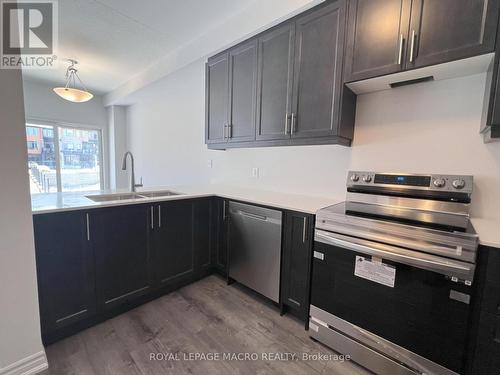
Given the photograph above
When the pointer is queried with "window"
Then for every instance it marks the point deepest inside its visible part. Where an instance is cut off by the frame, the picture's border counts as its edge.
(64, 158)
(32, 145)
(32, 131)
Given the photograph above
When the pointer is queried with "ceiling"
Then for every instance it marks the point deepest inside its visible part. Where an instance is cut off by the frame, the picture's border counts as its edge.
(115, 40)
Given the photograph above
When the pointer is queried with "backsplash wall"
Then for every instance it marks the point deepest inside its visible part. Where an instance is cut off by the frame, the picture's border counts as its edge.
(430, 127)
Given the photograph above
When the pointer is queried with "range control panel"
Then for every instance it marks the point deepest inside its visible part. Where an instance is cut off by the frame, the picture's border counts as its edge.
(456, 183)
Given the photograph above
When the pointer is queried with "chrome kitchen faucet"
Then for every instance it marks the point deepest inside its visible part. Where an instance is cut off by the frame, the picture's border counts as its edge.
(133, 185)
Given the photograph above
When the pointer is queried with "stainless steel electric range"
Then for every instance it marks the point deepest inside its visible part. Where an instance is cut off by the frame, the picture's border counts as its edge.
(392, 273)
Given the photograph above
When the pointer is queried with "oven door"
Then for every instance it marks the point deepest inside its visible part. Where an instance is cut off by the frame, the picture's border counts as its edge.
(422, 312)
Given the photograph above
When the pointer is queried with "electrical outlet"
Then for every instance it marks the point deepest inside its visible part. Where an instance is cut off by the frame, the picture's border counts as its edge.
(210, 163)
(255, 172)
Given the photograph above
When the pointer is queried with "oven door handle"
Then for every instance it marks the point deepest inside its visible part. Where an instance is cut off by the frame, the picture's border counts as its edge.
(460, 270)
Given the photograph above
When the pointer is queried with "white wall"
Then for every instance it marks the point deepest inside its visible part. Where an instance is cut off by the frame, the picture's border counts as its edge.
(21, 348)
(166, 132)
(430, 127)
(42, 105)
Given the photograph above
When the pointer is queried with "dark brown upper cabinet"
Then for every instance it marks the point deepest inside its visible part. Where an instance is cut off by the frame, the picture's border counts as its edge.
(446, 30)
(376, 37)
(317, 81)
(300, 76)
(284, 85)
(242, 92)
(217, 98)
(274, 83)
(231, 79)
(388, 36)
(490, 121)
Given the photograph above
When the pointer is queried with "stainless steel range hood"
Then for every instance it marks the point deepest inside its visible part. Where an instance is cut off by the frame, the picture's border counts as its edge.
(453, 69)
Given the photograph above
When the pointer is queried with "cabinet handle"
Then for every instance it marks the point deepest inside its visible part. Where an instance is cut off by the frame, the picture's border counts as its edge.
(412, 46)
(286, 122)
(292, 127)
(224, 210)
(400, 54)
(304, 230)
(88, 227)
(225, 131)
(159, 216)
(230, 131)
(152, 218)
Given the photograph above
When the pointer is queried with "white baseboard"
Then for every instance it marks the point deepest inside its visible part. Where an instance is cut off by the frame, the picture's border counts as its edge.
(30, 365)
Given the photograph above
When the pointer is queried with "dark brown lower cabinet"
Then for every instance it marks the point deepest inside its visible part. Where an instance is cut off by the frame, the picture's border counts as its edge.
(485, 327)
(296, 263)
(203, 234)
(219, 242)
(181, 240)
(173, 241)
(94, 264)
(65, 270)
(487, 353)
(120, 238)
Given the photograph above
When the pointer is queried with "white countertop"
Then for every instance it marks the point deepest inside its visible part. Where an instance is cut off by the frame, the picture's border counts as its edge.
(487, 230)
(58, 202)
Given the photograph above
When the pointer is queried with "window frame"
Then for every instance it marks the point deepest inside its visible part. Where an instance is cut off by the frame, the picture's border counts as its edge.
(56, 126)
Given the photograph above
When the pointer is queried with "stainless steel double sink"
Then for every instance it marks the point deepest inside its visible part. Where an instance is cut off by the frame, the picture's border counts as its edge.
(127, 196)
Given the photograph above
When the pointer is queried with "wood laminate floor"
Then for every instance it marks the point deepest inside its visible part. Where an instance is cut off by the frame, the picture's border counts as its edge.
(207, 318)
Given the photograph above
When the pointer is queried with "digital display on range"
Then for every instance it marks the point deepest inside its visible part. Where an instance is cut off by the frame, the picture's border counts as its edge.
(391, 179)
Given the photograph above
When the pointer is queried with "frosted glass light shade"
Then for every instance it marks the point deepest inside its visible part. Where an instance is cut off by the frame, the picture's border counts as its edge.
(73, 95)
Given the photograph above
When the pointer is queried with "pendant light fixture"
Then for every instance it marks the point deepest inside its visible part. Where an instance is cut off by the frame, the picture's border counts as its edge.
(70, 92)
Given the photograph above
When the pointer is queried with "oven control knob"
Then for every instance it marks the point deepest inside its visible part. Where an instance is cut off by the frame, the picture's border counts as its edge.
(439, 182)
(458, 184)
(354, 178)
(367, 178)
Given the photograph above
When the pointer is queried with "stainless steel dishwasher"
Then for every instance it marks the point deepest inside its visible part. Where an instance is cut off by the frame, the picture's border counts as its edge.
(255, 248)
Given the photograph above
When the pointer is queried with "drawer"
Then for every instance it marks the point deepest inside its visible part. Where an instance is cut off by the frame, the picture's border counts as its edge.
(491, 298)
(493, 268)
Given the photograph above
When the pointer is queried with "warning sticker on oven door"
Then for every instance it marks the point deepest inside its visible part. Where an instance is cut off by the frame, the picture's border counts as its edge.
(375, 271)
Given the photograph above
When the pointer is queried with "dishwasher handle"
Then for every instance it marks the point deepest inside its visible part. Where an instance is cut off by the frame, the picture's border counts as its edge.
(252, 216)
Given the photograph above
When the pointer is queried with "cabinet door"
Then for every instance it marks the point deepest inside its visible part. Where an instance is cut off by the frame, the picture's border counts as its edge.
(65, 269)
(219, 216)
(376, 37)
(297, 250)
(274, 85)
(217, 98)
(317, 78)
(487, 353)
(120, 240)
(242, 92)
(202, 233)
(174, 255)
(445, 30)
